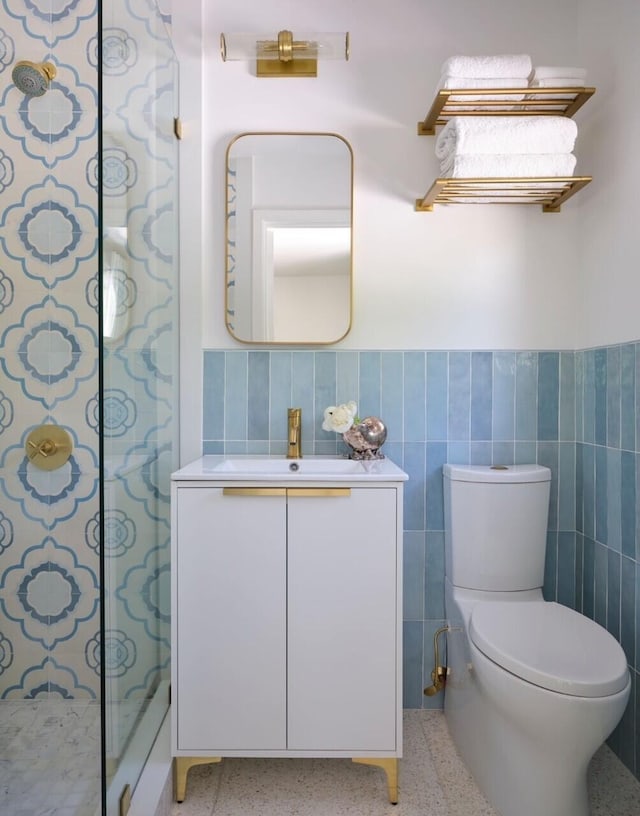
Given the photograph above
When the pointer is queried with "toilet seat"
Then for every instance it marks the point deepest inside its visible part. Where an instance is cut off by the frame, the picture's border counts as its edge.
(551, 646)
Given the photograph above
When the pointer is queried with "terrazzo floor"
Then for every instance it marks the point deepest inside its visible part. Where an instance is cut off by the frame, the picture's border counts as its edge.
(49, 766)
(432, 782)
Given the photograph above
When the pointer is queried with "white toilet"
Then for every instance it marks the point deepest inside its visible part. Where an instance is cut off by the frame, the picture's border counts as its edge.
(533, 688)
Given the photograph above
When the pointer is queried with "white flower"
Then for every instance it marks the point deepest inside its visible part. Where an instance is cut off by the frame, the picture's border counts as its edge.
(340, 418)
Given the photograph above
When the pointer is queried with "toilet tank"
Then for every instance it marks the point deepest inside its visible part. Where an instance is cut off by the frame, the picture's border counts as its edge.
(496, 525)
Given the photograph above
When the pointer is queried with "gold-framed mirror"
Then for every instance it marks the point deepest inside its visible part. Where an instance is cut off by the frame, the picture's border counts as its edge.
(288, 238)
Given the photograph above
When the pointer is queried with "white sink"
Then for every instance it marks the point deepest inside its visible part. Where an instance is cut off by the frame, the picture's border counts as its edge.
(280, 469)
(296, 466)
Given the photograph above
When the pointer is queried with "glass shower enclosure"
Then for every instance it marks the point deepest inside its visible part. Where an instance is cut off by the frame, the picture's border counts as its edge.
(88, 385)
(139, 390)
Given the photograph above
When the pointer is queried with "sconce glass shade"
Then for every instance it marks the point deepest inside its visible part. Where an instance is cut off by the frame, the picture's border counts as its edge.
(288, 54)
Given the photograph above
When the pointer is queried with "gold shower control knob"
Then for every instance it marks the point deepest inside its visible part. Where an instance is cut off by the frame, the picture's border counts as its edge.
(48, 447)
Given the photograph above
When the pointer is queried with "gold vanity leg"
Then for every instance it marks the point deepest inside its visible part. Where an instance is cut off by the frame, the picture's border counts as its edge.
(181, 767)
(390, 767)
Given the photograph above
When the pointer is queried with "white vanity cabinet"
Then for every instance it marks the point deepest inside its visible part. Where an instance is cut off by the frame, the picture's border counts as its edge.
(230, 608)
(286, 614)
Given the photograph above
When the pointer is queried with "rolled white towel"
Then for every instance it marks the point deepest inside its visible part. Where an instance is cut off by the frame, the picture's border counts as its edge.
(510, 165)
(500, 65)
(558, 71)
(447, 81)
(558, 82)
(554, 82)
(511, 134)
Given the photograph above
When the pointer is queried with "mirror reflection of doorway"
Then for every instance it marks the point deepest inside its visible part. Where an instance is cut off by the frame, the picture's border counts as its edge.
(301, 275)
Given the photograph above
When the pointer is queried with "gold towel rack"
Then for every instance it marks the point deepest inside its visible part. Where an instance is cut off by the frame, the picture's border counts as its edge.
(470, 102)
(550, 193)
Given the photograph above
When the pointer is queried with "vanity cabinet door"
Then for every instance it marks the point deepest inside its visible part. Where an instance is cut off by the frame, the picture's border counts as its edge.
(343, 621)
(230, 644)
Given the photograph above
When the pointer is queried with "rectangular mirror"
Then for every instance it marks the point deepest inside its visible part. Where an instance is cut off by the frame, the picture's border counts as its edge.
(288, 238)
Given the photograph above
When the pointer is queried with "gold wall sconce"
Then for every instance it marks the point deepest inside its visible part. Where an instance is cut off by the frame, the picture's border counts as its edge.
(285, 56)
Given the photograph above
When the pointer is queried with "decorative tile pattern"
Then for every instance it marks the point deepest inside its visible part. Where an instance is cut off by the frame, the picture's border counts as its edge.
(50, 528)
(145, 592)
(49, 497)
(55, 120)
(52, 352)
(48, 593)
(40, 22)
(48, 355)
(119, 55)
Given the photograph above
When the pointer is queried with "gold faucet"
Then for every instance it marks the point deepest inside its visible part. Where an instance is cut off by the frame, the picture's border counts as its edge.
(294, 448)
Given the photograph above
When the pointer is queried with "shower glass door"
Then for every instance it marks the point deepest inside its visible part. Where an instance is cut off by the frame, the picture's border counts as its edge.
(139, 384)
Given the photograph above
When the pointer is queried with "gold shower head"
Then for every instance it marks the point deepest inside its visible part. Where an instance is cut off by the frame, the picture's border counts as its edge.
(33, 78)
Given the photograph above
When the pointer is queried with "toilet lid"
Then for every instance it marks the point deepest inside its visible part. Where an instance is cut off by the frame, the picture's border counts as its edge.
(551, 646)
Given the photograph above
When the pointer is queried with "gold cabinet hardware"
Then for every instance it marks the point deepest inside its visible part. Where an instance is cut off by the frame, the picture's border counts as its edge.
(181, 767)
(125, 800)
(254, 491)
(290, 492)
(48, 447)
(317, 492)
(390, 767)
(177, 127)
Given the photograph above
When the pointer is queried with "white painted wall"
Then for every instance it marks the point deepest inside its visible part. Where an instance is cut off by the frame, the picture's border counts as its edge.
(457, 278)
(608, 290)
(461, 277)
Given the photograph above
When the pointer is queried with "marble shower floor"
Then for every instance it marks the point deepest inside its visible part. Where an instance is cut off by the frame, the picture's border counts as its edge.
(432, 782)
(50, 755)
(49, 758)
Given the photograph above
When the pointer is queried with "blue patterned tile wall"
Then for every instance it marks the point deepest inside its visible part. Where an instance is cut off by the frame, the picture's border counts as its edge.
(49, 351)
(49, 564)
(139, 101)
(469, 407)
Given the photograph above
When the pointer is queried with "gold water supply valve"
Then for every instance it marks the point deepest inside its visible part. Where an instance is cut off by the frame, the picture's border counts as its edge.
(48, 447)
(439, 673)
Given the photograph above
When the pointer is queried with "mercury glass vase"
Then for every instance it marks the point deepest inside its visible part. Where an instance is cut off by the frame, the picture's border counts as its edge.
(365, 439)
